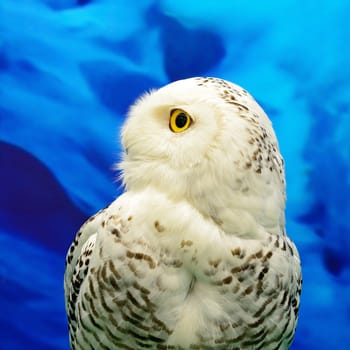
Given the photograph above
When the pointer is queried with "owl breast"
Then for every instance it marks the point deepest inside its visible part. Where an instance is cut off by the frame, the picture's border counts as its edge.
(162, 276)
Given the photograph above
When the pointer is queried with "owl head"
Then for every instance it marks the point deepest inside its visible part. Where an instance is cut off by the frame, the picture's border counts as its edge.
(206, 141)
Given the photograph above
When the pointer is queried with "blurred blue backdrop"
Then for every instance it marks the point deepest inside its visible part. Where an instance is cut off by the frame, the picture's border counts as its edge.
(68, 71)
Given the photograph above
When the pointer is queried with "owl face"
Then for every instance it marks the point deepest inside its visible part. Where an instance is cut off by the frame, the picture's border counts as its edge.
(199, 138)
(173, 126)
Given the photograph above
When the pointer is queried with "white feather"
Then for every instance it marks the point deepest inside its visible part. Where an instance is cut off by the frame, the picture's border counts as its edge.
(194, 253)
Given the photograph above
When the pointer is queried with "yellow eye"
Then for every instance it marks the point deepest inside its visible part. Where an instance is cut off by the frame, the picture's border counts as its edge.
(179, 120)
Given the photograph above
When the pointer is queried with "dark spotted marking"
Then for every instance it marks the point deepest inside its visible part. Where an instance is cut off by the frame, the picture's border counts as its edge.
(284, 246)
(246, 265)
(116, 340)
(231, 340)
(93, 322)
(91, 218)
(256, 323)
(115, 232)
(103, 301)
(259, 288)
(112, 281)
(150, 305)
(216, 220)
(159, 227)
(278, 339)
(186, 243)
(143, 290)
(226, 280)
(135, 302)
(91, 305)
(132, 332)
(91, 288)
(263, 307)
(215, 263)
(238, 252)
(256, 338)
(248, 290)
(224, 326)
(240, 106)
(284, 298)
(113, 270)
(161, 325)
(141, 256)
(259, 254)
(267, 256)
(236, 269)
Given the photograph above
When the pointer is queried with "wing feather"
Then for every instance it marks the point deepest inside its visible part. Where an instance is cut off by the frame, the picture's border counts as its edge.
(77, 262)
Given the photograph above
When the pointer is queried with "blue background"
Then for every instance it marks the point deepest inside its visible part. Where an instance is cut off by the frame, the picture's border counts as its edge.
(69, 70)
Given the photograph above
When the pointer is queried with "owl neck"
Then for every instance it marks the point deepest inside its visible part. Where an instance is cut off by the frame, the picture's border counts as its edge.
(245, 215)
(244, 205)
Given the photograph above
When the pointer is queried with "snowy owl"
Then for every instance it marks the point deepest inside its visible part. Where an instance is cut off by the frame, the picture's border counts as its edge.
(194, 254)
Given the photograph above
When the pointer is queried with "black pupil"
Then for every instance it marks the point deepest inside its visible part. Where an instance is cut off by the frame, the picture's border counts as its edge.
(181, 120)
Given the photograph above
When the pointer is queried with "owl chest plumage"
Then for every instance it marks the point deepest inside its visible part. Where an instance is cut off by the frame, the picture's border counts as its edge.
(154, 273)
